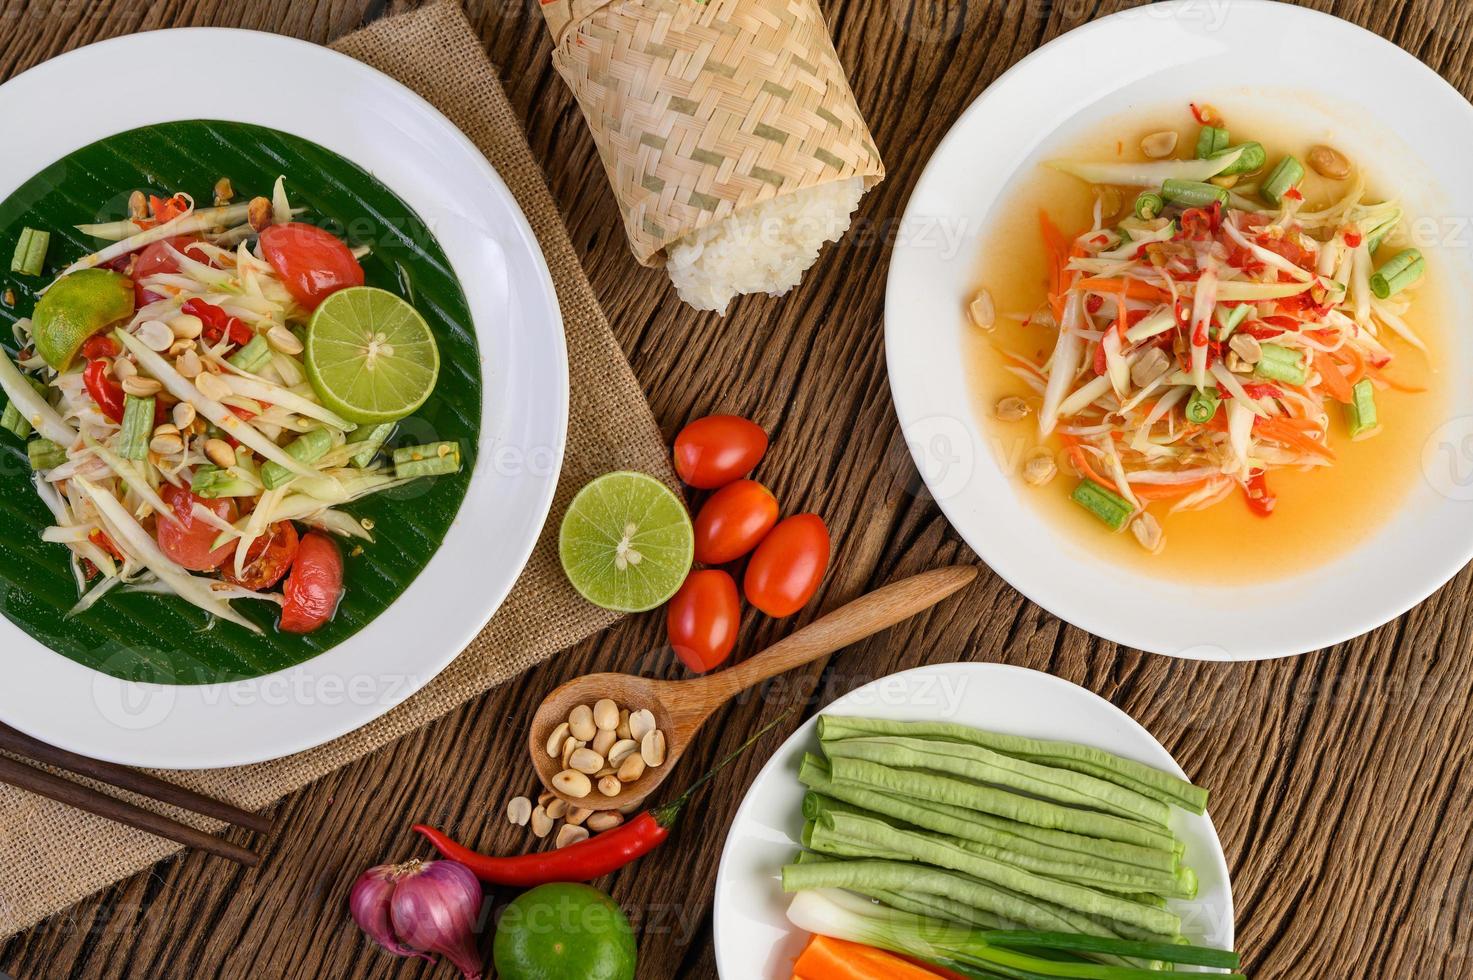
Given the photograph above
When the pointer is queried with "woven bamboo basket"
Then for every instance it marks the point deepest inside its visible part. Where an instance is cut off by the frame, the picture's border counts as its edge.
(701, 109)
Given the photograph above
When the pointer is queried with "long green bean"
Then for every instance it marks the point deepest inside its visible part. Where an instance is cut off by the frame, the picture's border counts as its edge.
(1041, 813)
(987, 766)
(967, 824)
(1065, 755)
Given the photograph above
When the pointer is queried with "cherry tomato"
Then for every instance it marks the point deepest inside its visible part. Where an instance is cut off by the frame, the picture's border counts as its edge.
(788, 565)
(713, 451)
(732, 522)
(188, 541)
(267, 559)
(313, 263)
(702, 619)
(314, 587)
(156, 259)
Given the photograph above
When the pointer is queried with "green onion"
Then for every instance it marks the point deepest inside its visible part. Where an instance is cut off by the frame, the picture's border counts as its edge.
(1403, 269)
(1360, 411)
(1148, 205)
(1075, 943)
(30, 252)
(1250, 159)
(44, 454)
(434, 459)
(1286, 175)
(1107, 505)
(306, 448)
(253, 356)
(370, 439)
(137, 427)
(1211, 141)
(1229, 321)
(1281, 364)
(1203, 405)
(211, 482)
(1193, 193)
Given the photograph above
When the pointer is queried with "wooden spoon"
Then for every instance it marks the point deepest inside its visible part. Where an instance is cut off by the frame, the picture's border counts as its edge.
(680, 707)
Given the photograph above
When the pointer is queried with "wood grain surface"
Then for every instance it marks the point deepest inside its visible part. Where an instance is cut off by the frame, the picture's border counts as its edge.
(1343, 789)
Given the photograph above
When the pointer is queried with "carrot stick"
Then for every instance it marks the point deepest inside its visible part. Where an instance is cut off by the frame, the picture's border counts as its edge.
(1357, 364)
(838, 959)
(1277, 430)
(1133, 288)
(1058, 250)
(1333, 380)
(1166, 491)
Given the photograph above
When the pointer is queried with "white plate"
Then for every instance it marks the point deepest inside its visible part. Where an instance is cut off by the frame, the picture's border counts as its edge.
(372, 120)
(1383, 106)
(754, 940)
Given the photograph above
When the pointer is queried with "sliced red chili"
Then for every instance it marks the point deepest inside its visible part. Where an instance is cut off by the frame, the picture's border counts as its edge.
(100, 345)
(106, 392)
(218, 323)
(1256, 492)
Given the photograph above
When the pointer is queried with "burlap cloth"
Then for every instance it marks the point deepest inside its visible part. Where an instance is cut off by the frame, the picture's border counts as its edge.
(435, 52)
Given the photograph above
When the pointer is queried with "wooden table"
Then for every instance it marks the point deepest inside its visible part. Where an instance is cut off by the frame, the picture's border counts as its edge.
(1343, 790)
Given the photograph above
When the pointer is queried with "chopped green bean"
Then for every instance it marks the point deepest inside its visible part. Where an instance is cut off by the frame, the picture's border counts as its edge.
(1229, 321)
(1105, 504)
(1278, 363)
(1283, 177)
(369, 439)
(253, 356)
(1211, 140)
(434, 459)
(306, 448)
(1149, 204)
(137, 427)
(1399, 272)
(1202, 405)
(1193, 193)
(11, 420)
(1250, 159)
(212, 482)
(30, 252)
(1360, 411)
(44, 454)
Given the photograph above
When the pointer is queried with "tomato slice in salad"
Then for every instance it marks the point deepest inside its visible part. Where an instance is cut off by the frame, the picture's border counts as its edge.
(157, 258)
(314, 586)
(311, 262)
(267, 559)
(188, 542)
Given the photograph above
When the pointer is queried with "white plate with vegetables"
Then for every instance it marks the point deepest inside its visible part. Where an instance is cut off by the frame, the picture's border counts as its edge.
(921, 793)
(1184, 373)
(283, 386)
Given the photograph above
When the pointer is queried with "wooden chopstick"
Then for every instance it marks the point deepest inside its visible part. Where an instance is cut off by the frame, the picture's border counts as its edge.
(23, 776)
(130, 779)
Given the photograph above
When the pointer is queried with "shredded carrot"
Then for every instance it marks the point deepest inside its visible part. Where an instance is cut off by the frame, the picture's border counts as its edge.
(1331, 378)
(1278, 430)
(1166, 491)
(1134, 288)
(1356, 361)
(1058, 250)
(1081, 461)
(839, 959)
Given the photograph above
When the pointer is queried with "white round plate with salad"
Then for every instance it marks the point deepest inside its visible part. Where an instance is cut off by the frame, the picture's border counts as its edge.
(208, 399)
(1174, 345)
(955, 709)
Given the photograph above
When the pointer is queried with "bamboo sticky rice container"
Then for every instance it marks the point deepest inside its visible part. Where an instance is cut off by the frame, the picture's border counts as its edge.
(704, 109)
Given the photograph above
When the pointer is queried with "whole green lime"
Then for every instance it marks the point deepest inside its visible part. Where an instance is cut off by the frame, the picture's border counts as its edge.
(564, 932)
(76, 307)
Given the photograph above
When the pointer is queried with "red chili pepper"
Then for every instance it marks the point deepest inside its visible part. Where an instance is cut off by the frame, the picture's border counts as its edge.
(1255, 491)
(106, 392)
(589, 859)
(1352, 238)
(1262, 391)
(1094, 302)
(100, 345)
(218, 323)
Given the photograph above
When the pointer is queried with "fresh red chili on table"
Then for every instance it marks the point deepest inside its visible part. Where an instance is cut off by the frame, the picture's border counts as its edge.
(218, 323)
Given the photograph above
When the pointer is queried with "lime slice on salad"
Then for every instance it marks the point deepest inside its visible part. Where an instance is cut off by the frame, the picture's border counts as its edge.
(370, 356)
(75, 308)
(626, 542)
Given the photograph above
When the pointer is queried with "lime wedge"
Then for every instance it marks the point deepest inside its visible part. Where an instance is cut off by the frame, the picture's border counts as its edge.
(370, 355)
(75, 308)
(626, 542)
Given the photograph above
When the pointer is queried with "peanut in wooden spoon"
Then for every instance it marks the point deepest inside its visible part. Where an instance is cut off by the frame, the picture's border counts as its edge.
(680, 707)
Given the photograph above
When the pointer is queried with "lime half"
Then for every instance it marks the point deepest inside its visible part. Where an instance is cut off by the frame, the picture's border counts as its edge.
(626, 542)
(370, 355)
(75, 308)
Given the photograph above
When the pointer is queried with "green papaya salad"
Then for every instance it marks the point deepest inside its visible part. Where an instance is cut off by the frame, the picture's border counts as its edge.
(203, 396)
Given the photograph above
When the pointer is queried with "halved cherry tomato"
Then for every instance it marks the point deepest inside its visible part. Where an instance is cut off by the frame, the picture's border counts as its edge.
(733, 521)
(702, 619)
(267, 559)
(157, 258)
(314, 587)
(713, 451)
(313, 263)
(788, 565)
(188, 541)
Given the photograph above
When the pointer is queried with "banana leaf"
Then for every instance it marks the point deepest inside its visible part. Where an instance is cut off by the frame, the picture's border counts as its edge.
(162, 639)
